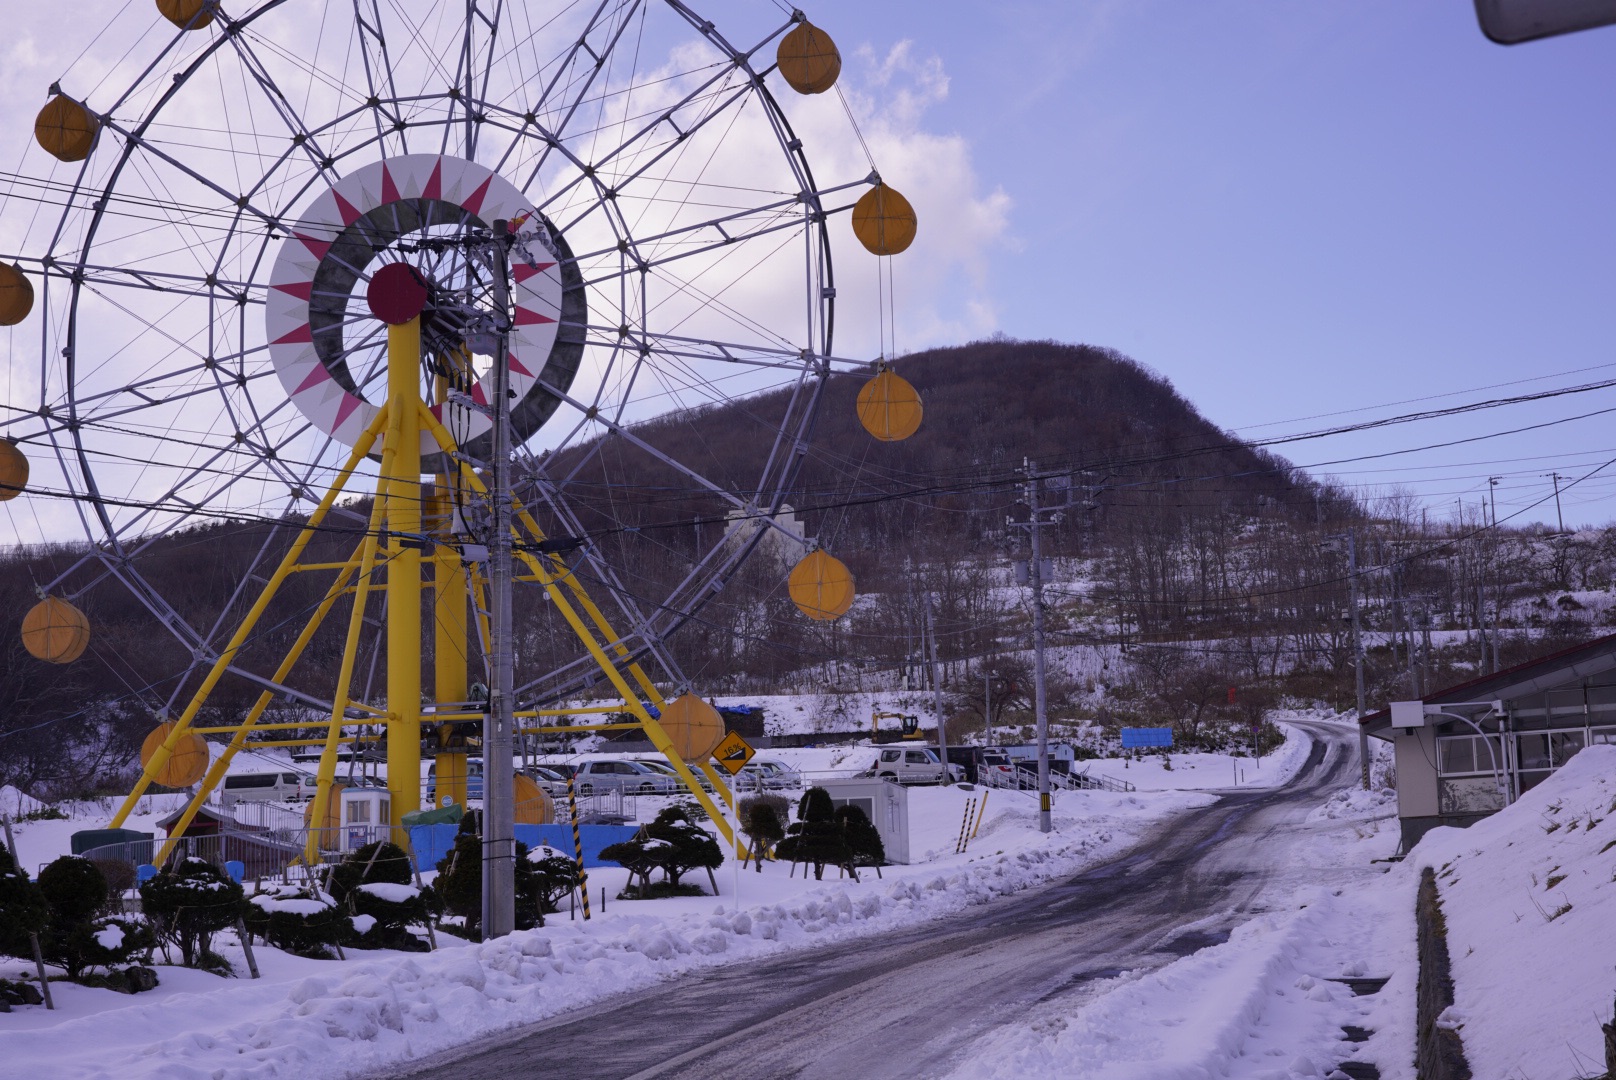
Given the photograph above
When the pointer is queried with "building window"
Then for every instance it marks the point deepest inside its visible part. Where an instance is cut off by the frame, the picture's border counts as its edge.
(1467, 754)
(1563, 745)
(1469, 795)
(359, 813)
(1533, 751)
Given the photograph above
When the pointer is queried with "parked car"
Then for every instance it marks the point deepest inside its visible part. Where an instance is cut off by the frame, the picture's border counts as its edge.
(474, 781)
(770, 775)
(547, 777)
(263, 787)
(907, 765)
(629, 777)
(669, 771)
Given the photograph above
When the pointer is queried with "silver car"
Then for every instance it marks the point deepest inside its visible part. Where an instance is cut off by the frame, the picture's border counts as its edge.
(668, 770)
(629, 777)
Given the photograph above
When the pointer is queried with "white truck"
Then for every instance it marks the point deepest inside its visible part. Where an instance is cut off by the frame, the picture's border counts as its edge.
(913, 765)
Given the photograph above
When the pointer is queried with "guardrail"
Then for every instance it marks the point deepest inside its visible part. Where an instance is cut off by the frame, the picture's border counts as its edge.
(1020, 779)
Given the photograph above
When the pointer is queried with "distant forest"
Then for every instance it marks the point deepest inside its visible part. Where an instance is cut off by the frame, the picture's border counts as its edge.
(1180, 532)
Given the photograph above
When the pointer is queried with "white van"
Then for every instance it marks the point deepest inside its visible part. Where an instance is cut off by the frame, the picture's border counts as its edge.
(263, 787)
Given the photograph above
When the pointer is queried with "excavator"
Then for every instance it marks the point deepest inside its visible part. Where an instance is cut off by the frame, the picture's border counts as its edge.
(908, 726)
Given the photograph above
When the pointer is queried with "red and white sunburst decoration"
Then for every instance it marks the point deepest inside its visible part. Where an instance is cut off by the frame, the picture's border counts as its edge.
(329, 251)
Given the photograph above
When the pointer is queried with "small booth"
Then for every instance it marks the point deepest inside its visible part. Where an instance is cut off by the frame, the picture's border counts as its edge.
(885, 803)
(366, 815)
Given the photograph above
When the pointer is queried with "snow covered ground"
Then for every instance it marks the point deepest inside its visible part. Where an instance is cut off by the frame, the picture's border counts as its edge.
(1529, 901)
(314, 1018)
(310, 1019)
(1528, 896)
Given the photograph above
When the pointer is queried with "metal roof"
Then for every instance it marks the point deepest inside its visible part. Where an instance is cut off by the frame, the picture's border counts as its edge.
(1532, 677)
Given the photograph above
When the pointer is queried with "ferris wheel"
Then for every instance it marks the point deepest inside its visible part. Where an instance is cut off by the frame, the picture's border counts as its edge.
(205, 342)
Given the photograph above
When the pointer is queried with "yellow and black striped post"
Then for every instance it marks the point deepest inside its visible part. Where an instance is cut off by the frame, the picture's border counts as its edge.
(578, 847)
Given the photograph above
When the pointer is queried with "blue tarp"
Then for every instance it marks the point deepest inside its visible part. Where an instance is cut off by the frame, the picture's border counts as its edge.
(1134, 738)
(433, 842)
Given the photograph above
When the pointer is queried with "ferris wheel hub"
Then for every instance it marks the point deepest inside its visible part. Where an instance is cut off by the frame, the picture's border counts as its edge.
(401, 221)
(397, 293)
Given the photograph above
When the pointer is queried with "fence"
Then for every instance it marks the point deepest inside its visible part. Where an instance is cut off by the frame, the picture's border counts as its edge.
(1026, 779)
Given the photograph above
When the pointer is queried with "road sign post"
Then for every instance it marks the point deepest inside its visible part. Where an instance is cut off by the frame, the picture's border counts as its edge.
(732, 754)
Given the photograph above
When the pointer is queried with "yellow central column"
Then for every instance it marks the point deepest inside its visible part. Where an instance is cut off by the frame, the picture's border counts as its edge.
(449, 645)
(403, 494)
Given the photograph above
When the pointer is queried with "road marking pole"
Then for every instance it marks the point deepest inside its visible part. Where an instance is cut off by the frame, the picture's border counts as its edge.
(578, 850)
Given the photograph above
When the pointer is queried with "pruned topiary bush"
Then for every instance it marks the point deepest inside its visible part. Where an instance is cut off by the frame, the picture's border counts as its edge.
(23, 910)
(673, 844)
(77, 938)
(863, 839)
(298, 919)
(459, 884)
(763, 826)
(188, 902)
(555, 875)
(375, 884)
(816, 839)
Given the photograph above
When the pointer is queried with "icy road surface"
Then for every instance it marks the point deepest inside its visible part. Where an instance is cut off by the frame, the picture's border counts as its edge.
(911, 1004)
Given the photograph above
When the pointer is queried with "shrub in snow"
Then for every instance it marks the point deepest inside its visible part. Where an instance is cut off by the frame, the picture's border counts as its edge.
(187, 903)
(375, 884)
(380, 861)
(76, 893)
(778, 803)
(298, 919)
(690, 847)
(673, 844)
(102, 943)
(762, 827)
(863, 839)
(383, 913)
(816, 839)
(639, 857)
(554, 876)
(23, 910)
(459, 885)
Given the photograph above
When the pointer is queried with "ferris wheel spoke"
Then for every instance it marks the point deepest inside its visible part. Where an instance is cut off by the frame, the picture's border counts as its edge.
(163, 281)
(703, 350)
(146, 146)
(594, 565)
(555, 133)
(479, 33)
(627, 435)
(728, 238)
(379, 80)
(302, 137)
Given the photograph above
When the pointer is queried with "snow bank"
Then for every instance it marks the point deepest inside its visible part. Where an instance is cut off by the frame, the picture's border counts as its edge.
(1529, 903)
(353, 1018)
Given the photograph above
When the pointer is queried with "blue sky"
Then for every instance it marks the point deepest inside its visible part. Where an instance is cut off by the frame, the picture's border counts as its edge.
(1302, 214)
(1296, 209)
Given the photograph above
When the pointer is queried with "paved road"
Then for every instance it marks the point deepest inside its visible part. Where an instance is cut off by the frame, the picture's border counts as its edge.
(908, 1005)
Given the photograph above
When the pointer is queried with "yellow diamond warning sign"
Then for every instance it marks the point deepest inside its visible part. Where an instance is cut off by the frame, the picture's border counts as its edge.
(733, 753)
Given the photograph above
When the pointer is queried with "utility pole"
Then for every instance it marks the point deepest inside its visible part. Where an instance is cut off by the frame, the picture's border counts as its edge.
(1492, 497)
(1558, 517)
(1034, 525)
(499, 811)
(987, 708)
(1351, 536)
(937, 691)
(1357, 653)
